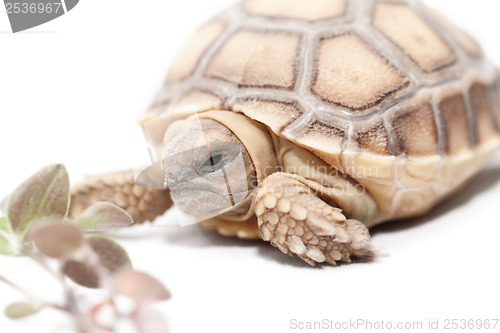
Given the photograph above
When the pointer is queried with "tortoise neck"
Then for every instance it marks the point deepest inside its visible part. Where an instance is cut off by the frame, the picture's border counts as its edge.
(254, 136)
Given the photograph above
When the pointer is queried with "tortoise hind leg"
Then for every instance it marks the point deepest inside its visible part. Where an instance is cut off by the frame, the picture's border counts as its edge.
(294, 219)
(120, 189)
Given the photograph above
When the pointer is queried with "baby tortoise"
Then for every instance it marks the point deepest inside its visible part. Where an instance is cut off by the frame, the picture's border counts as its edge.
(346, 114)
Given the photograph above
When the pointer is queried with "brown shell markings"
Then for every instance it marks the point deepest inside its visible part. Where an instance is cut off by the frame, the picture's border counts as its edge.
(386, 83)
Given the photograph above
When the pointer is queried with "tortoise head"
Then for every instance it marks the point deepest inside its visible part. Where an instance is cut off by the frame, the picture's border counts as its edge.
(207, 167)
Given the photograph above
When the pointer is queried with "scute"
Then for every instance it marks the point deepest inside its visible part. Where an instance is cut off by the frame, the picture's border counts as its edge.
(416, 129)
(494, 91)
(415, 171)
(413, 35)
(276, 114)
(416, 201)
(258, 59)
(188, 57)
(454, 170)
(196, 101)
(485, 128)
(323, 138)
(306, 10)
(352, 75)
(455, 123)
(465, 40)
(374, 140)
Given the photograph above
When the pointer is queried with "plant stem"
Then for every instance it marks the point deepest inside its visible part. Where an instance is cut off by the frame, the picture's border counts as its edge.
(5, 235)
(58, 307)
(15, 286)
(11, 239)
(33, 297)
(71, 303)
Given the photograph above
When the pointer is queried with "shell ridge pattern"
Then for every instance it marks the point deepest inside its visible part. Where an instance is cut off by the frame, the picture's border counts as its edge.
(458, 50)
(440, 126)
(416, 15)
(304, 71)
(328, 96)
(471, 117)
(232, 21)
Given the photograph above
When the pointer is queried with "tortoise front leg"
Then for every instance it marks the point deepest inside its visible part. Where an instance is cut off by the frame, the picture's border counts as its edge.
(121, 189)
(293, 218)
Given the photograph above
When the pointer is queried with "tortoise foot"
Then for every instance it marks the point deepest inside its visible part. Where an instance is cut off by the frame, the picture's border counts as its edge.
(296, 221)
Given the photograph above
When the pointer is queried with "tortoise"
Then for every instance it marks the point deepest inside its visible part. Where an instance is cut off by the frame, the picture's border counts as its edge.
(344, 115)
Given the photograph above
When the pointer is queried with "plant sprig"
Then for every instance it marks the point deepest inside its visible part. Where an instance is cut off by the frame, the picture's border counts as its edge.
(37, 226)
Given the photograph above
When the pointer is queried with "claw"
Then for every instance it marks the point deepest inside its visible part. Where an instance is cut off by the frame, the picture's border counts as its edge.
(320, 226)
(341, 235)
(308, 260)
(282, 248)
(302, 224)
(266, 233)
(296, 245)
(335, 255)
(330, 261)
(315, 254)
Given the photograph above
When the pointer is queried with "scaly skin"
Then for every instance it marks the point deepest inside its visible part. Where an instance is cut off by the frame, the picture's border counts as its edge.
(289, 214)
(120, 188)
(295, 220)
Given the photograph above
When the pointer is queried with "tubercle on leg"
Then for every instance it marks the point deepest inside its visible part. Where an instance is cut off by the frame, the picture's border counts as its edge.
(120, 189)
(294, 219)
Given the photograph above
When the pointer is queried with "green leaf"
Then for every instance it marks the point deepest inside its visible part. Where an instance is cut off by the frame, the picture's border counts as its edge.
(103, 216)
(21, 309)
(5, 232)
(44, 194)
(112, 258)
(57, 240)
(140, 286)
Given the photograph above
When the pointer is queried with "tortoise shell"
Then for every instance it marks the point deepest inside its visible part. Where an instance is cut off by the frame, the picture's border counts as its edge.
(387, 92)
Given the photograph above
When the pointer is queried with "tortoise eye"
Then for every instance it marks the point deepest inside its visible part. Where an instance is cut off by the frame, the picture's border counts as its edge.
(212, 163)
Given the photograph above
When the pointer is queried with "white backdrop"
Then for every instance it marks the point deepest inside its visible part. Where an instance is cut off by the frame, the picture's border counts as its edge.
(70, 91)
